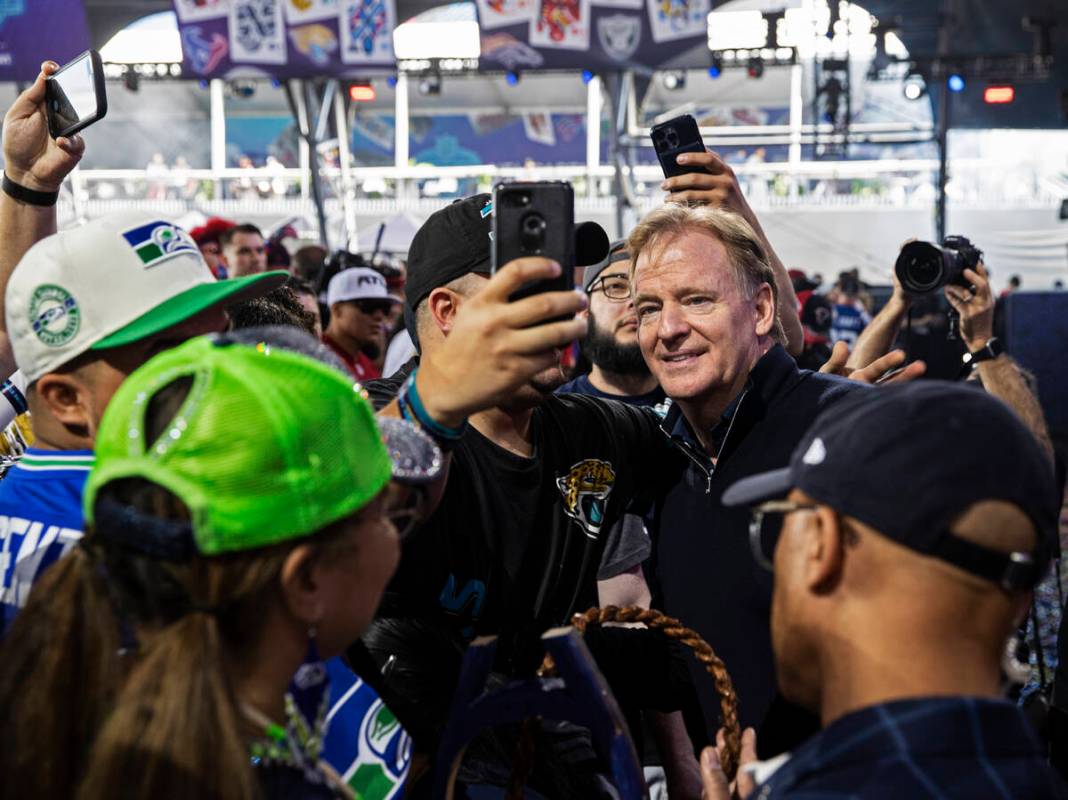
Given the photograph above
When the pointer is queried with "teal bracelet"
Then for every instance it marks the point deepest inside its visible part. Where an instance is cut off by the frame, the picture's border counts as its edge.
(412, 408)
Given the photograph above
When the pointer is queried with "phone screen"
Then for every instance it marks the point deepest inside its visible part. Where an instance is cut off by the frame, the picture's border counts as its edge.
(72, 94)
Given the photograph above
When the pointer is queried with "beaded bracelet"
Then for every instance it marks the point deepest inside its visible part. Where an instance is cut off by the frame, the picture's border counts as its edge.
(413, 410)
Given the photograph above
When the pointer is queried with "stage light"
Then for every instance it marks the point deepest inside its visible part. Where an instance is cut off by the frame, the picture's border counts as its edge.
(914, 87)
(716, 69)
(512, 77)
(391, 81)
(998, 95)
(755, 68)
(362, 93)
(430, 85)
(587, 75)
(674, 80)
(955, 83)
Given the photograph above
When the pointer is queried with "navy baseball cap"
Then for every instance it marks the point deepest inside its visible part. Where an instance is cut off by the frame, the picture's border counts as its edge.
(907, 460)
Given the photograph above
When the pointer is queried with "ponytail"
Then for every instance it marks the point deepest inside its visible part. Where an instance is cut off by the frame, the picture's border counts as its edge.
(61, 669)
(174, 732)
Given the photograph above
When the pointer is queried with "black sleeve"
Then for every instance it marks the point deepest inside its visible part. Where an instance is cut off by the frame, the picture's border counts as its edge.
(381, 391)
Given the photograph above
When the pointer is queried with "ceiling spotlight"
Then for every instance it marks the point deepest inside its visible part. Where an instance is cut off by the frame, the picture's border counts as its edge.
(755, 68)
(914, 87)
(955, 83)
(430, 85)
(512, 77)
(716, 69)
(242, 89)
(674, 80)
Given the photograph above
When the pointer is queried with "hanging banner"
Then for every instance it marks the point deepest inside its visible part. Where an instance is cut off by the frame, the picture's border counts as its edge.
(592, 34)
(285, 38)
(56, 31)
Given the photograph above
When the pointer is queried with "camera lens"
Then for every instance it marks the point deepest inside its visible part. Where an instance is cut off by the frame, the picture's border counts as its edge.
(532, 233)
(672, 138)
(921, 267)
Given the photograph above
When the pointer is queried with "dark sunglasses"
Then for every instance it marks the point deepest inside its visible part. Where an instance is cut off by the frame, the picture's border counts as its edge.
(371, 306)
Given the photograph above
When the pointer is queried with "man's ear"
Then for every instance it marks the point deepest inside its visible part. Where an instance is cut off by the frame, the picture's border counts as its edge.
(301, 588)
(67, 399)
(443, 304)
(764, 309)
(824, 551)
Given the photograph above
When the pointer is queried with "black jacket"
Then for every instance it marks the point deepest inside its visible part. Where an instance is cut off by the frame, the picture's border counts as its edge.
(703, 571)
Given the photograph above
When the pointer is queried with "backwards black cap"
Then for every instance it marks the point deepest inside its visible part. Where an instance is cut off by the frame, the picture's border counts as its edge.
(907, 460)
(457, 240)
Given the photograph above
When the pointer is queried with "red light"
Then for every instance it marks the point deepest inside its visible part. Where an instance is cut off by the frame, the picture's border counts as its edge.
(362, 93)
(999, 94)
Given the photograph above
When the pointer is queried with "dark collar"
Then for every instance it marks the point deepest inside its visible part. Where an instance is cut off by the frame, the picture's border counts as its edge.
(774, 372)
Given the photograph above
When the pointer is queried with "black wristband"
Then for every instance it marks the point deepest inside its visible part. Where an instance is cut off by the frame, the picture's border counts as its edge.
(34, 198)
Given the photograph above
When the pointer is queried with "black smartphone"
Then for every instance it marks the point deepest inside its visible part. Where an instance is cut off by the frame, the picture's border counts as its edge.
(678, 135)
(535, 219)
(75, 97)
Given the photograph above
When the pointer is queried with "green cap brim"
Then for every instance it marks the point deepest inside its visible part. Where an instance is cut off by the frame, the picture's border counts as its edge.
(190, 303)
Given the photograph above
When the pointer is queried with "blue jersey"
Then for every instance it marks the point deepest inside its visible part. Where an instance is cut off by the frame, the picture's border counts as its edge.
(40, 520)
(847, 323)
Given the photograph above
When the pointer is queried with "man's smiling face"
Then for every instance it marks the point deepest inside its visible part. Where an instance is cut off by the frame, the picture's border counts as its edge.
(697, 329)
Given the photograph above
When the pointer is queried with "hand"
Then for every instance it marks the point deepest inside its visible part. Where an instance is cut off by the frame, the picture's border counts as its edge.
(496, 346)
(32, 158)
(975, 307)
(900, 297)
(714, 781)
(717, 186)
(876, 370)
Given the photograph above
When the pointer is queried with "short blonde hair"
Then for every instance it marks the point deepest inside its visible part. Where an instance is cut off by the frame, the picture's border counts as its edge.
(745, 252)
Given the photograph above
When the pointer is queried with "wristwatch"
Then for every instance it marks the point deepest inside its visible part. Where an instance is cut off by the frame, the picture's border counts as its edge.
(991, 350)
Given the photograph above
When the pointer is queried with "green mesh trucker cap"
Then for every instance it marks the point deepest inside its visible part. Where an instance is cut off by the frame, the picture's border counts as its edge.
(267, 446)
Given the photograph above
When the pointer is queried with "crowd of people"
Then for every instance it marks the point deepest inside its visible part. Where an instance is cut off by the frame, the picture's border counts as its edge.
(270, 499)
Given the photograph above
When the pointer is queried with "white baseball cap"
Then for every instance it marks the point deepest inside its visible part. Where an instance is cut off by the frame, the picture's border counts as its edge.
(358, 283)
(110, 282)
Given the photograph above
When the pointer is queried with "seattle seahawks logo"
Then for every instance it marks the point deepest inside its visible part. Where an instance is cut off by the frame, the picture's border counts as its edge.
(619, 35)
(586, 488)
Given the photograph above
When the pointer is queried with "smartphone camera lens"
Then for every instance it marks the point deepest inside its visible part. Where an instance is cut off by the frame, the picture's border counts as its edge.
(672, 137)
(532, 233)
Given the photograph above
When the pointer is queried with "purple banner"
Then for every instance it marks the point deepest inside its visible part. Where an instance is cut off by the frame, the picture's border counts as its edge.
(55, 30)
(285, 38)
(589, 34)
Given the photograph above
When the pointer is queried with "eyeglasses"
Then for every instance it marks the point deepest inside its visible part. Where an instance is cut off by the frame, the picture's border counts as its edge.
(615, 287)
(759, 534)
(406, 507)
(369, 307)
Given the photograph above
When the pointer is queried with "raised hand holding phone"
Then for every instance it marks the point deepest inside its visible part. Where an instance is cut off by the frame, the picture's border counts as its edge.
(32, 157)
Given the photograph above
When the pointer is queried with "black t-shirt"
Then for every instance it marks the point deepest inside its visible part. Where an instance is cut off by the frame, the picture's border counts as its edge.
(515, 546)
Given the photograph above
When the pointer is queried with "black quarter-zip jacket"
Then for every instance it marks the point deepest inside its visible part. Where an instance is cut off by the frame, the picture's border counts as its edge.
(702, 569)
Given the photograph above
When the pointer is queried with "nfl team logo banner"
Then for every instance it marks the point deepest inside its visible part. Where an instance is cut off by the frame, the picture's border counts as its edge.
(285, 38)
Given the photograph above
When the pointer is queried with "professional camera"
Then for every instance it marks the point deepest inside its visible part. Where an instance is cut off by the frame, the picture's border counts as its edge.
(924, 267)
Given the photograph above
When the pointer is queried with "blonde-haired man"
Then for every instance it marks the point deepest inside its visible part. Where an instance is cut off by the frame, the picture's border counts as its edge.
(708, 326)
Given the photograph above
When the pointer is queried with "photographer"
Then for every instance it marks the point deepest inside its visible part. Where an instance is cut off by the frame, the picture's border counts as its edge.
(892, 603)
(995, 369)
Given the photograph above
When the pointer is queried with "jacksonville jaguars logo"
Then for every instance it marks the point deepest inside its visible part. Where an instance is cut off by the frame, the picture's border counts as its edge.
(586, 488)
